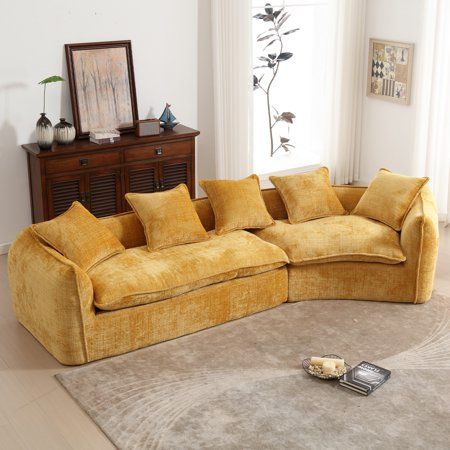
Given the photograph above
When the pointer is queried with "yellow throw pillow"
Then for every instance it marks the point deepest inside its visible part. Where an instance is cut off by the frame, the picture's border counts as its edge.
(308, 196)
(79, 236)
(389, 197)
(169, 218)
(237, 204)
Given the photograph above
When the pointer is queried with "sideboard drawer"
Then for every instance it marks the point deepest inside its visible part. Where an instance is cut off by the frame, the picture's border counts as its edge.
(82, 162)
(152, 151)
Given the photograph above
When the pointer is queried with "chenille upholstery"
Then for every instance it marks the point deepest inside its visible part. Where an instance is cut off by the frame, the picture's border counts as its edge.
(168, 217)
(389, 197)
(55, 300)
(410, 281)
(79, 236)
(237, 204)
(137, 276)
(337, 238)
(132, 328)
(308, 196)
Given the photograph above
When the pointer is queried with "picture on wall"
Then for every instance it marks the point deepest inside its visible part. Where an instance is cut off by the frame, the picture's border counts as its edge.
(102, 86)
(389, 71)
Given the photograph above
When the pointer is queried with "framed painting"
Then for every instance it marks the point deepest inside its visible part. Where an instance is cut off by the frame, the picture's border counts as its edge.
(389, 71)
(102, 87)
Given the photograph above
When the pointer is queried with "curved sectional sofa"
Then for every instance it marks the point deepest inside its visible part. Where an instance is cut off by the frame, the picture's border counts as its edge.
(139, 298)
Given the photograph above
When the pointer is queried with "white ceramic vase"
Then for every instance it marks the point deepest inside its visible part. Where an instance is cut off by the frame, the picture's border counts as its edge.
(44, 132)
(64, 132)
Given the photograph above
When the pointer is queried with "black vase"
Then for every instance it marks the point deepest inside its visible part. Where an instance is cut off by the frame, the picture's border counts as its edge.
(44, 132)
(64, 132)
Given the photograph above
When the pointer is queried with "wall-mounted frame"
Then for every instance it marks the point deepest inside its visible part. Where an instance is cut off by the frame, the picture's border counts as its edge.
(102, 86)
(389, 70)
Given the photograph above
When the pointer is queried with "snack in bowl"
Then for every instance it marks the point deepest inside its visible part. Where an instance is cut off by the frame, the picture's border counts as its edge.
(327, 367)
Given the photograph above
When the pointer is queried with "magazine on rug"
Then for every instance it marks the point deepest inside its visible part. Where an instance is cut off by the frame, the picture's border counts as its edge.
(365, 378)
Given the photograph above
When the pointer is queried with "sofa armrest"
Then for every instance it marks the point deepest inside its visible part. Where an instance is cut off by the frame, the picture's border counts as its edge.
(419, 240)
(52, 297)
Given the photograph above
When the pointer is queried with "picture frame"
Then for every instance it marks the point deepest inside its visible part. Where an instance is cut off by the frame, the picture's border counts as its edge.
(389, 71)
(102, 86)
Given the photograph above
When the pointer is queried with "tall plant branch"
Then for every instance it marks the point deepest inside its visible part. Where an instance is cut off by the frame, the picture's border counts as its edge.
(272, 61)
(269, 108)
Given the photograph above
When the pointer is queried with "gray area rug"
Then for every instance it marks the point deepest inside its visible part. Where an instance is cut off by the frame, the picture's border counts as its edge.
(240, 385)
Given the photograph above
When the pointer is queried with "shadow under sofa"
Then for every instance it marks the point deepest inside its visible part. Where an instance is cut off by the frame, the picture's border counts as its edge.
(56, 301)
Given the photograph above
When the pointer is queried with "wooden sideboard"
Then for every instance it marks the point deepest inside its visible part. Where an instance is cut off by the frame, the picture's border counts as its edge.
(99, 176)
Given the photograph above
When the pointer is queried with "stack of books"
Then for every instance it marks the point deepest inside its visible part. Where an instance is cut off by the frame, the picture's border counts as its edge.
(104, 136)
(364, 378)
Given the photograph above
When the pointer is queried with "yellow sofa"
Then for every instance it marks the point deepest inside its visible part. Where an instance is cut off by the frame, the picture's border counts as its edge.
(366, 259)
(138, 298)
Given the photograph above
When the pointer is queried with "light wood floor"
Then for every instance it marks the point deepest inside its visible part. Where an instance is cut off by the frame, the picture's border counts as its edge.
(36, 413)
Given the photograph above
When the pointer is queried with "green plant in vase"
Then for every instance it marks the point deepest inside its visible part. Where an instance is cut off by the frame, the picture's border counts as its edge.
(44, 129)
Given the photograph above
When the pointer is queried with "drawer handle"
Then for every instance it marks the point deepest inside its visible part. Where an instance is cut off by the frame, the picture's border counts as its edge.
(159, 151)
(84, 162)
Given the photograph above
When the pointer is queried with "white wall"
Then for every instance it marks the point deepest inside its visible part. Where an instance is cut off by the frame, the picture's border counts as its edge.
(169, 51)
(172, 62)
(388, 129)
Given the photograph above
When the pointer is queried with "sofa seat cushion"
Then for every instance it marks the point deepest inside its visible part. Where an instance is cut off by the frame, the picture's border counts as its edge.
(138, 277)
(337, 238)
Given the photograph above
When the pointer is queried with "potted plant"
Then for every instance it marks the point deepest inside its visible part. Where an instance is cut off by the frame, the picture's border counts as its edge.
(44, 129)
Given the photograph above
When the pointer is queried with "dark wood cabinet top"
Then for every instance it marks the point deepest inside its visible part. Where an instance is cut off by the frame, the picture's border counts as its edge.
(99, 176)
(85, 146)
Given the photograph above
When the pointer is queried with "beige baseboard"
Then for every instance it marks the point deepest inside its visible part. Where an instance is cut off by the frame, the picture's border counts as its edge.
(4, 248)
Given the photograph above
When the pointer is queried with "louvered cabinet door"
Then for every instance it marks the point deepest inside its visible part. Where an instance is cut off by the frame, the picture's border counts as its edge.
(103, 195)
(62, 192)
(174, 172)
(141, 179)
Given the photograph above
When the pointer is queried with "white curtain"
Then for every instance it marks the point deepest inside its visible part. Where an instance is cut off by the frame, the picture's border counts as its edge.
(232, 65)
(433, 104)
(346, 88)
(232, 61)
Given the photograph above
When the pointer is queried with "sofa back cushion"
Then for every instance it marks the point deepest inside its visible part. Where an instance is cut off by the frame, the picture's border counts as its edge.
(389, 197)
(274, 204)
(349, 196)
(79, 236)
(128, 229)
(237, 204)
(169, 218)
(308, 196)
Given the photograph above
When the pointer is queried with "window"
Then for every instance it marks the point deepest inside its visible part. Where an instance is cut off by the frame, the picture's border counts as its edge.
(299, 87)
